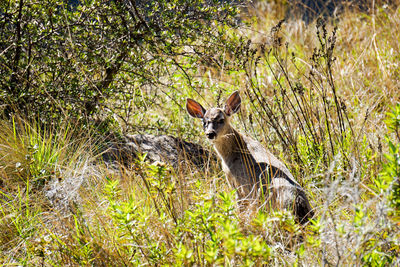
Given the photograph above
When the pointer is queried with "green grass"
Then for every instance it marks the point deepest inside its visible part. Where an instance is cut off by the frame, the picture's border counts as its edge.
(150, 214)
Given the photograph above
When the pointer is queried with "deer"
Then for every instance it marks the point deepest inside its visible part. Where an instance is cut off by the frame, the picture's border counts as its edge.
(253, 171)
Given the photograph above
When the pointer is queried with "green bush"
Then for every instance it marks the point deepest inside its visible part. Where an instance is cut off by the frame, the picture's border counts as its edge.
(60, 59)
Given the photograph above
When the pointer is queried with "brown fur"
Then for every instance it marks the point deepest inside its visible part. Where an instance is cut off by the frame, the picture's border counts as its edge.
(249, 167)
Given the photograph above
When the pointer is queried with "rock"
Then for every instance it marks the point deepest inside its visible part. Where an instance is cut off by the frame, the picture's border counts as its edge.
(165, 148)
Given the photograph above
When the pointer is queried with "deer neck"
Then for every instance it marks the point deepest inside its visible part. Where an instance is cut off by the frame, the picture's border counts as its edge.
(230, 144)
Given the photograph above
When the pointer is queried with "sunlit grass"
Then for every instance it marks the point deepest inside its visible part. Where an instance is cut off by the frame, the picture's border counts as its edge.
(146, 213)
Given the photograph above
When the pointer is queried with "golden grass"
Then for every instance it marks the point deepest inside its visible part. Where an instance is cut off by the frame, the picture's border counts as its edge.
(146, 214)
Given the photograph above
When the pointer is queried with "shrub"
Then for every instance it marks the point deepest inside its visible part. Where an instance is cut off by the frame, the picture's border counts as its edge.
(65, 59)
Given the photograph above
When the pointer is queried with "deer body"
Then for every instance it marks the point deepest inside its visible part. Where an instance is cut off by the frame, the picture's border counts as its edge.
(249, 167)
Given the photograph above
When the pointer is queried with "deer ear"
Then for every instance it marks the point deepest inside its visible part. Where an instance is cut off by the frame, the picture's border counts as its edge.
(232, 104)
(195, 109)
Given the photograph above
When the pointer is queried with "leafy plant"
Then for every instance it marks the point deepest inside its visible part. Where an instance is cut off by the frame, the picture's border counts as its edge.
(389, 178)
(66, 59)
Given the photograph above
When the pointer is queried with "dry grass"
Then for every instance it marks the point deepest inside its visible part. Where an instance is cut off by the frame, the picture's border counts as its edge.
(148, 214)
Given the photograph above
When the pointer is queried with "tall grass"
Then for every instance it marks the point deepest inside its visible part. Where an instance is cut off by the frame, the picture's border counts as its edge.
(33, 159)
(316, 95)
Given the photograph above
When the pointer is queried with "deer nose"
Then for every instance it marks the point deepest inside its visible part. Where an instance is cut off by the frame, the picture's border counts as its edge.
(211, 135)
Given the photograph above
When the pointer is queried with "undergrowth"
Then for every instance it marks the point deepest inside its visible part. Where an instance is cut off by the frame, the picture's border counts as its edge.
(323, 97)
(143, 215)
